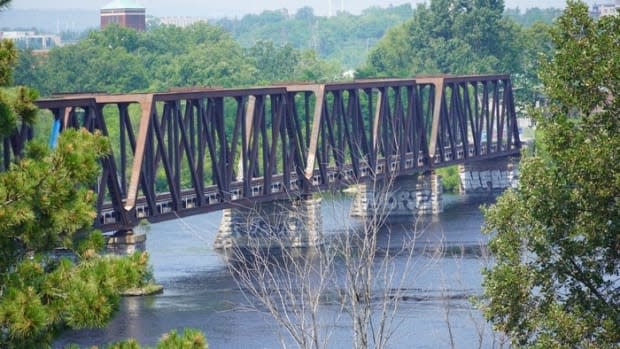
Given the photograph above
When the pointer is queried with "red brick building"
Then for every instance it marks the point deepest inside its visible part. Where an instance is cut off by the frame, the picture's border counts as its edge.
(125, 13)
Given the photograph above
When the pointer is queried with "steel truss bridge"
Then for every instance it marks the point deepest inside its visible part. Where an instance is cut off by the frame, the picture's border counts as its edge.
(192, 151)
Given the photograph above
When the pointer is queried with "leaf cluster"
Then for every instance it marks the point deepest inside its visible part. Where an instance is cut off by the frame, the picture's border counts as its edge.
(189, 339)
(8, 58)
(49, 277)
(556, 239)
(46, 196)
(16, 103)
(45, 295)
(449, 36)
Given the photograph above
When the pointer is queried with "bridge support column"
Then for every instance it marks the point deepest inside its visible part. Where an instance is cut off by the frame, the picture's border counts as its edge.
(271, 224)
(126, 242)
(489, 176)
(404, 198)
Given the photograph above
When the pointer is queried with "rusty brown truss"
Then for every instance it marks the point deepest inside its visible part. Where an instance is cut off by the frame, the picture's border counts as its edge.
(199, 150)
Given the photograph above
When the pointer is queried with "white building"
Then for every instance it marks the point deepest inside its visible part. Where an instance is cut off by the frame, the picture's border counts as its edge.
(602, 10)
(31, 40)
(180, 21)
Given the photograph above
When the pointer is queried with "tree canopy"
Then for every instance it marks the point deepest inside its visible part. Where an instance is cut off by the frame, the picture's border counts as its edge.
(51, 277)
(448, 36)
(118, 59)
(344, 38)
(462, 38)
(534, 15)
(556, 238)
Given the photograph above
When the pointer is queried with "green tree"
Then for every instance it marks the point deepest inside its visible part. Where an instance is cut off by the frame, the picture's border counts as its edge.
(556, 239)
(537, 47)
(45, 198)
(16, 103)
(448, 36)
(273, 63)
(28, 69)
(312, 68)
(8, 57)
(533, 15)
(189, 339)
(87, 67)
(344, 38)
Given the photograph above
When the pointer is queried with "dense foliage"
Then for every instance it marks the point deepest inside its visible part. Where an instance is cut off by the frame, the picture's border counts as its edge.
(44, 200)
(344, 38)
(556, 238)
(534, 15)
(461, 37)
(50, 277)
(449, 36)
(123, 60)
(189, 339)
(16, 103)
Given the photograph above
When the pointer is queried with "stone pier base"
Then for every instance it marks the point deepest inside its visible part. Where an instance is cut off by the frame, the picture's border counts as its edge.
(126, 242)
(271, 224)
(406, 197)
(490, 176)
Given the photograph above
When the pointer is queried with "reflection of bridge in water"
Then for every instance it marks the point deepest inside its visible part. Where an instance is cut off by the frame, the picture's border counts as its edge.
(200, 150)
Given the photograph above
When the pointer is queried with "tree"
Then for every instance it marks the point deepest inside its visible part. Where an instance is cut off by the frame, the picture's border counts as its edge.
(311, 68)
(556, 239)
(45, 198)
(103, 62)
(534, 15)
(189, 339)
(293, 285)
(273, 63)
(448, 36)
(344, 38)
(537, 47)
(50, 277)
(305, 13)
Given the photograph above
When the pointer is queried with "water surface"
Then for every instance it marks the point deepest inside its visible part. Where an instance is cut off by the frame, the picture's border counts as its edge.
(200, 293)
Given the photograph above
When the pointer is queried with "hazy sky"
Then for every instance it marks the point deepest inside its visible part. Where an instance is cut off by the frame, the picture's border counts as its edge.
(219, 8)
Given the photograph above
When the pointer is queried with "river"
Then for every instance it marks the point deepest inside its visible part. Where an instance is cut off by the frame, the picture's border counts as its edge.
(200, 293)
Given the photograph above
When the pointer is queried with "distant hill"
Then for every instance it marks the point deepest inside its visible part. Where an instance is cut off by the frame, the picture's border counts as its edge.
(49, 21)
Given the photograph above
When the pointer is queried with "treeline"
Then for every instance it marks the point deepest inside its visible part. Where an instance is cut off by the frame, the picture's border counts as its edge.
(463, 37)
(446, 36)
(119, 59)
(532, 16)
(344, 38)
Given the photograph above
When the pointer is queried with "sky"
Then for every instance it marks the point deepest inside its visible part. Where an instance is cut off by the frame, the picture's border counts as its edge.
(231, 8)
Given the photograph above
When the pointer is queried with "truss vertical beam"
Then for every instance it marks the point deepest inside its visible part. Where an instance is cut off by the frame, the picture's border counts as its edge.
(146, 106)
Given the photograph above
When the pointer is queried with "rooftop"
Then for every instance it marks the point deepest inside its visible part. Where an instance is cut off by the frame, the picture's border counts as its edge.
(117, 4)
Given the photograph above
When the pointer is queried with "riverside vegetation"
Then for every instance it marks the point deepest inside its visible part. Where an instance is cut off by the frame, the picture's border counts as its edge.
(555, 239)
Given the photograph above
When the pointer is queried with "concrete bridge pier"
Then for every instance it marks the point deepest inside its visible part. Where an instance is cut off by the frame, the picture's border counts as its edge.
(275, 224)
(126, 242)
(400, 200)
(489, 176)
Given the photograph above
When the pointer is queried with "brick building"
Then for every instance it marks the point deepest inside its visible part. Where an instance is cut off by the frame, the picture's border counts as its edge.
(125, 13)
